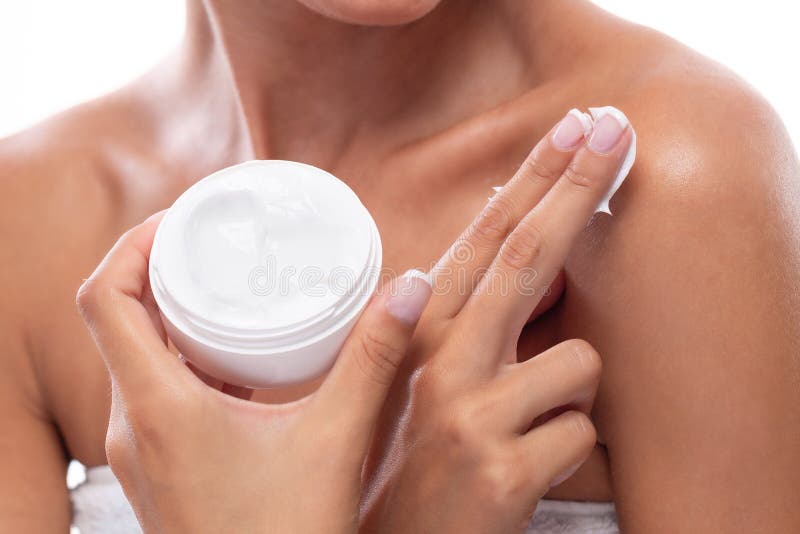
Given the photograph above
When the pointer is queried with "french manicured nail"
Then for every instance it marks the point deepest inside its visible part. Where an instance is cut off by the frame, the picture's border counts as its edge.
(409, 296)
(565, 475)
(609, 125)
(571, 130)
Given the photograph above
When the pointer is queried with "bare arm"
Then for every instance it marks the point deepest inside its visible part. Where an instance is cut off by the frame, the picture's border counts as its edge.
(33, 493)
(692, 298)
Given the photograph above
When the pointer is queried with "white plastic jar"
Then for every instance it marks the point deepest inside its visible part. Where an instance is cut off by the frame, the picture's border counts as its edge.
(260, 271)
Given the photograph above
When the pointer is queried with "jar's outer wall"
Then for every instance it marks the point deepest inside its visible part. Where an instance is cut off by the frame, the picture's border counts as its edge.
(254, 366)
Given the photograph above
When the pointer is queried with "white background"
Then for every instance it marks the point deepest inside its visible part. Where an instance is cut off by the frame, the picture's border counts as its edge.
(55, 53)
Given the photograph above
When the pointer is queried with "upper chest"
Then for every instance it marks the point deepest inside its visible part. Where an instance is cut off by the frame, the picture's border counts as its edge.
(421, 200)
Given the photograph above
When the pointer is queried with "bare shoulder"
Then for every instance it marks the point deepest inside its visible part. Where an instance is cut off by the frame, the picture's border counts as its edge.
(689, 292)
(714, 197)
(700, 123)
(715, 168)
(60, 210)
(69, 187)
(704, 133)
(702, 129)
(714, 194)
(56, 202)
(56, 214)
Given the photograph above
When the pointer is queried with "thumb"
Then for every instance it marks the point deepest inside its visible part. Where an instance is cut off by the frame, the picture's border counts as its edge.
(360, 380)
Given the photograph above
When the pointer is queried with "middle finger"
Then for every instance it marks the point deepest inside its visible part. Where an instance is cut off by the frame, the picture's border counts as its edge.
(535, 251)
(474, 250)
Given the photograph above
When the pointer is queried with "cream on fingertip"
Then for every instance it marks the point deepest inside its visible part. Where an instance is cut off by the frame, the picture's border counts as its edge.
(588, 122)
(571, 130)
(585, 120)
(597, 114)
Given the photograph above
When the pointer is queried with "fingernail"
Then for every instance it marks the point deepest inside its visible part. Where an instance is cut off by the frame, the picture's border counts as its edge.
(409, 296)
(571, 130)
(565, 475)
(609, 125)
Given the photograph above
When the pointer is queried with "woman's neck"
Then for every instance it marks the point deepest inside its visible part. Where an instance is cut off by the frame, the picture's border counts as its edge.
(293, 84)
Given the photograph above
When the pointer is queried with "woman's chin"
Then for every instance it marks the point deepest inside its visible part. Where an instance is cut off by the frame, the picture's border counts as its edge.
(373, 12)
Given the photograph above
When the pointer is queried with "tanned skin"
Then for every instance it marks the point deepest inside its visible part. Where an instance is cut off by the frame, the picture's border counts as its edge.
(689, 292)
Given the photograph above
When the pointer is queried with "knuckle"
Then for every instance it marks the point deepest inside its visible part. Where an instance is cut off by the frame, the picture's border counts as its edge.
(156, 423)
(534, 168)
(585, 357)
(378, 358)
(583, 428)
(431, 384)
(118, 450)
(88, 297)
(143, 415)
(501, 481)
(155, 413)
(144, 428)
(494, 222)
(93, 296)
(459, 429)
(578, 178)
(523, 246)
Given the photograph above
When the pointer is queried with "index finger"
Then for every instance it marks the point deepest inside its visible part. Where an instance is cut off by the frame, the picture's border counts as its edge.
(534, 252)
(122, 320)
(474, 250)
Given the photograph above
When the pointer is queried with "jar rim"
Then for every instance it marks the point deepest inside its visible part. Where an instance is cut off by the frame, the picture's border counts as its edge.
(275, 339)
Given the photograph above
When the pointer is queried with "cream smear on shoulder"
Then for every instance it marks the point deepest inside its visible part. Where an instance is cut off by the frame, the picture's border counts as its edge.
(630, 156)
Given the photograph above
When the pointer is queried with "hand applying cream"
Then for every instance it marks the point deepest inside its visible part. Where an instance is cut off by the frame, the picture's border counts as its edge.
(183, 451)
(602, 127)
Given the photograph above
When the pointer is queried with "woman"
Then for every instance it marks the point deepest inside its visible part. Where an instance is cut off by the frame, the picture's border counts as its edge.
(192, 460)
(688, 294)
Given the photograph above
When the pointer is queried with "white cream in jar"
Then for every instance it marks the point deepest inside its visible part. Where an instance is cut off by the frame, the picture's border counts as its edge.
(260, 271)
